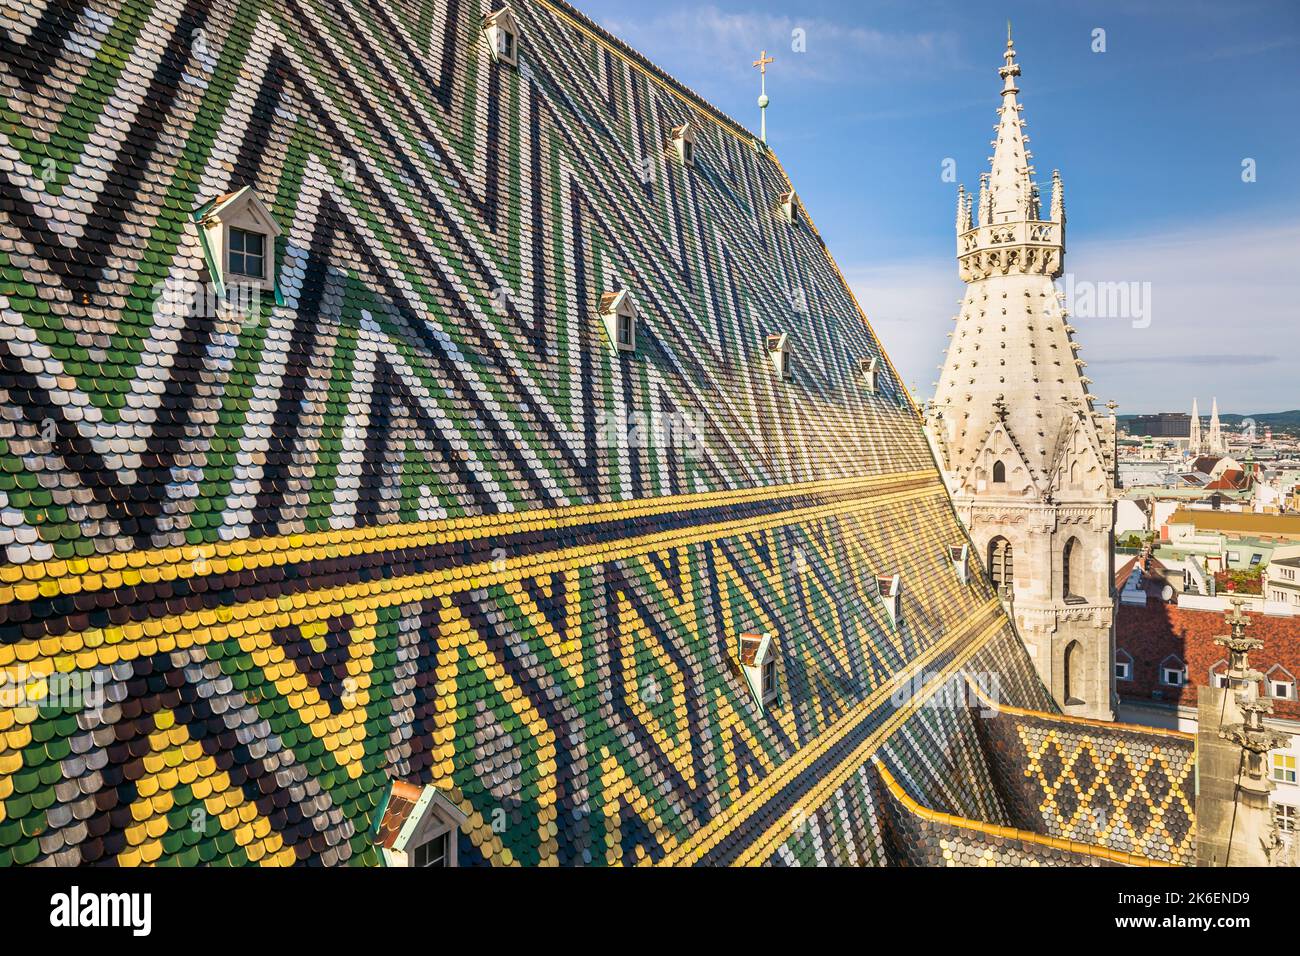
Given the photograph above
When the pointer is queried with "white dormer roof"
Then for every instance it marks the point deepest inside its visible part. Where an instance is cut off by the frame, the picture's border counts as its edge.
(502, 31)
(242, 202)
(756, 653)
(683, 137)
(789, 203)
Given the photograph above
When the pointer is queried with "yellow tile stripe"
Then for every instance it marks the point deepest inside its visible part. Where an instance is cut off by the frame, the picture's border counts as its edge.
(759, 850)
(1026, 836)
(706, 838)
(98, 646)
(78, 575)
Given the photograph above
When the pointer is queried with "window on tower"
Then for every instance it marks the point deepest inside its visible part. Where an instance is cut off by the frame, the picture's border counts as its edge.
(1072, 575)
(1001, 569)
(999, 473)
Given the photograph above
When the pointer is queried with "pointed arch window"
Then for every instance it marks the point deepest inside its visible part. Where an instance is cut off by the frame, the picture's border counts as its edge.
(1072, 572)
(1072, 673)
(999, 473)
(1001, 569)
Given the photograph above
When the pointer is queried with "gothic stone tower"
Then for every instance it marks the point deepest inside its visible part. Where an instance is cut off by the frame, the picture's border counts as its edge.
(1029, 462)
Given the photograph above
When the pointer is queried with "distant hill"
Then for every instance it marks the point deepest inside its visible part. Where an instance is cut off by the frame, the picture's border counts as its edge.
(1288, 420)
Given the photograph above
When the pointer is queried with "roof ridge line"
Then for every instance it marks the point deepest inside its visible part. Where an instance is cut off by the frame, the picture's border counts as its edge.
(640, 61)
(991, 829)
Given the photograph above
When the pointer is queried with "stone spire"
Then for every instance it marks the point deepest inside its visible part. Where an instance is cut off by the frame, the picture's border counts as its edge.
(1011, 187)
(1029, 461)
(1014, 340)
(1215, 439)
(1194, 438)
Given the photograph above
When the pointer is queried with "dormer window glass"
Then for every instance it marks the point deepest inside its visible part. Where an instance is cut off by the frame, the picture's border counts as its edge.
(432, 852)
(247, 253)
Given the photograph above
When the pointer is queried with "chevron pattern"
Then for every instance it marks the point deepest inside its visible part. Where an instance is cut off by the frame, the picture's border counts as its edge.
(410, 516)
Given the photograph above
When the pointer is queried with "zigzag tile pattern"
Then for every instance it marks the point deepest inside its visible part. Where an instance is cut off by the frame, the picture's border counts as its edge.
(389, 521)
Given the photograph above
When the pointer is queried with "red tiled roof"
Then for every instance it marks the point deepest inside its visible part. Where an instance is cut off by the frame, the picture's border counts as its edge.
(1233, 479)
(1151, 634)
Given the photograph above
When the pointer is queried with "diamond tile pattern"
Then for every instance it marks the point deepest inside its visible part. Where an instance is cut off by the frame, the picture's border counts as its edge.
(409, 516)
(1128, 788)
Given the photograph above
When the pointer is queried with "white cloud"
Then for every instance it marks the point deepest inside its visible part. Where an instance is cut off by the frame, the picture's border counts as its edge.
(1225, 316)
(728, 42)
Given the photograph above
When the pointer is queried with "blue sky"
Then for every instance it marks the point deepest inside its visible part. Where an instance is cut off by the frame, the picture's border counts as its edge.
(1149, 135)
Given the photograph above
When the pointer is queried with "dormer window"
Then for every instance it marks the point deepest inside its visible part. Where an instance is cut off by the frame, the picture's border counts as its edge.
(1219, 675)
(239, 234)
(1280, 683)
(502, 32)
(778, 347)
(416, 826)
(758, 664)
(1123, 665)
(889, 589)
(1173, 672)
(789, 203)
(619, 313)
(867, 369)
(959, 557)
(683, 143)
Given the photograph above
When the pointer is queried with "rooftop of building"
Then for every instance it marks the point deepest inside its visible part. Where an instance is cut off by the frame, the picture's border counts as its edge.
(1238, 522)
(1161, 633)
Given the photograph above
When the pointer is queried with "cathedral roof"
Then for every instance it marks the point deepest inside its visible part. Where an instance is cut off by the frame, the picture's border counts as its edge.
(281, 573)
(409, 522)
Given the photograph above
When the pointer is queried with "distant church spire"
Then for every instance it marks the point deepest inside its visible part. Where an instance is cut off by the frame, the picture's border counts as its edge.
(1215, 439)
(1194, 437)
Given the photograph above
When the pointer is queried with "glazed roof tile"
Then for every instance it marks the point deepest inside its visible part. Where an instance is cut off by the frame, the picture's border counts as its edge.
(407, 517)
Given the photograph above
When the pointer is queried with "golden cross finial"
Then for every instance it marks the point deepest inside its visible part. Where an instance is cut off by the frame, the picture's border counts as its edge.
(763, 60)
